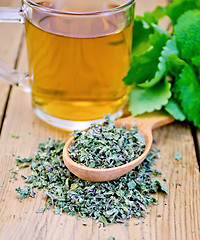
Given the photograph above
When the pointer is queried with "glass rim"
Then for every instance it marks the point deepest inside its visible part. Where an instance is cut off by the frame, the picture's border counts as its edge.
(54, 11)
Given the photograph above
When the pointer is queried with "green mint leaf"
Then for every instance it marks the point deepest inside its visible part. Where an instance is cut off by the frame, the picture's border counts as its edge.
(141, 32)
(161, 186)
(174, 109)
(168, 50)
(154, 16)
(177, 156)
(196, 62)
(14, 136)
(187, 32)
(175, 65)
(177, 7)
(188, 87)
(160, 30)
(149, 99)
(144, 66)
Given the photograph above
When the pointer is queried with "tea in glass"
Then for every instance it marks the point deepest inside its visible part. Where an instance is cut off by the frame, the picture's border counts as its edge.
(77, 62)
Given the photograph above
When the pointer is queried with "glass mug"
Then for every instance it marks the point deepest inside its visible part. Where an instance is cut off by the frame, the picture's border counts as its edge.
(78, 54)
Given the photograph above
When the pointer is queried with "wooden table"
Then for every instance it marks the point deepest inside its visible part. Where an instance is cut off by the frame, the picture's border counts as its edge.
(180, 210)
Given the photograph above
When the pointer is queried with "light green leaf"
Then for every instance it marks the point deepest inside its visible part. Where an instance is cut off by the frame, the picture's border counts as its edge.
(188, 88)
(175, 65)
(187, 32)
(149, 99)
(161, 186)
(168, 50)
(177, 7)
(174, 109)
(143, 27)
(154, 16)
(144, 66)
(141, 32)
(161, 30)
(196, 62)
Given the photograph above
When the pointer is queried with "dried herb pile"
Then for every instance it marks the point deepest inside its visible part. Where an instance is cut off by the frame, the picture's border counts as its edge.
(114, 201)
(106, 146)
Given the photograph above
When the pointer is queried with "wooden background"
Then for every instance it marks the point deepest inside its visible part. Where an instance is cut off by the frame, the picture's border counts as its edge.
(180, 210)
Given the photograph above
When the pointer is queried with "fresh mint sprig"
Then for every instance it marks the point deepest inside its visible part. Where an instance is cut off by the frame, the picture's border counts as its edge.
(165, 66)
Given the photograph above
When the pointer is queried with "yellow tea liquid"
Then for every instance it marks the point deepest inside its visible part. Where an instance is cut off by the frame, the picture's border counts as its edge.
(78, 78)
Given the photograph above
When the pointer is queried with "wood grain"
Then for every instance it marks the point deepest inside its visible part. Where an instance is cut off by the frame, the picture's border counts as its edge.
(198, 146)
(9, 41)
(180, 210)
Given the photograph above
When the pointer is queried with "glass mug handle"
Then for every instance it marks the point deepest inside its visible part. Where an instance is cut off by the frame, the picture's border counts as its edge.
(8, 74)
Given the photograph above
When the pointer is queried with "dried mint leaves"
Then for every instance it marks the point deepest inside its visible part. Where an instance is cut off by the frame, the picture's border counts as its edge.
(106, 146)
(108, 202)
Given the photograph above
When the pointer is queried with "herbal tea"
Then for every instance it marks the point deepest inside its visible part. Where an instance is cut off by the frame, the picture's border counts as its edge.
(77, 70)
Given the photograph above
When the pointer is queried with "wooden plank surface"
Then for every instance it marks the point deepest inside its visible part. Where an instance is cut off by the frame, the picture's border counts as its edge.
(10, 38)
(198, 147)
(180, 210)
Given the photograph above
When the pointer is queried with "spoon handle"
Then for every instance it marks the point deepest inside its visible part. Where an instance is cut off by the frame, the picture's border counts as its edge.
(149, 121)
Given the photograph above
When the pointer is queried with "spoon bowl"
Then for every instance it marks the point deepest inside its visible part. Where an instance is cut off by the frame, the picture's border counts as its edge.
(145, 124)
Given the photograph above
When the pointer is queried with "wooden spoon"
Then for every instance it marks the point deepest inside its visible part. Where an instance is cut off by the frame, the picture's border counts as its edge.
(145, 124)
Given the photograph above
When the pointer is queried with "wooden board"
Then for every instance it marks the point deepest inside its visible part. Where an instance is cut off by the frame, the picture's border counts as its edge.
(180, 210)
(198, 147)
